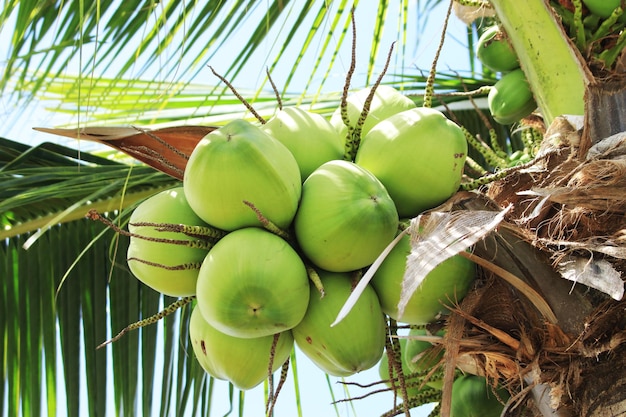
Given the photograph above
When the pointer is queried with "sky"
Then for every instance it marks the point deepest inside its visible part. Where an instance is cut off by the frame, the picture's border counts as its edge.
(17, 125)
(315, 395)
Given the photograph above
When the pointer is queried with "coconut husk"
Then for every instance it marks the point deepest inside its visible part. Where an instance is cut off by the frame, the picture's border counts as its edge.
(564, 235)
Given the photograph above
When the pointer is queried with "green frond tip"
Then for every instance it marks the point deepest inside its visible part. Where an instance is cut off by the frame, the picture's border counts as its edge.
(152, 319)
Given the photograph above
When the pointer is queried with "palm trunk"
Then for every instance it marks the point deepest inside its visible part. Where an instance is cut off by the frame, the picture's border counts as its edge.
(576, 366)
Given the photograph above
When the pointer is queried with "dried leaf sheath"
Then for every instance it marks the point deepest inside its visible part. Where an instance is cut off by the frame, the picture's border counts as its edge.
(166, 150)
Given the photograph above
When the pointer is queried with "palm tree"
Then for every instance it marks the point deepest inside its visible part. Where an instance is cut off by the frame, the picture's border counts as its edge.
(63, 271)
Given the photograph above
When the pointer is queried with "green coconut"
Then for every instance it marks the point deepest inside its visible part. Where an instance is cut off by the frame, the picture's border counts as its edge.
(421, 356)
(346, 217)
(240, 163)
(472, 396)
(418, 155)
(252, 284)
(353, 345)
(243, 362)
(309, 136)
(446, 284)
(603, 8)
(511, 98)
(495, 52)
(169, 268)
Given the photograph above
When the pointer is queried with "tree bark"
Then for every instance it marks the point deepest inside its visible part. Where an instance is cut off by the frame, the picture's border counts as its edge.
(603, 387)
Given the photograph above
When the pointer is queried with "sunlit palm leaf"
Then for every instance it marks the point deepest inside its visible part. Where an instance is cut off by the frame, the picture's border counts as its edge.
(175, 41)
(124, 109)
(74, 278)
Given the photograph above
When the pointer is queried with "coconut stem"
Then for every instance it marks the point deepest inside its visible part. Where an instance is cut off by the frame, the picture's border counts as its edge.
(276, 93)
(315, 279)
(239, 97)
(152, 319)
(430, 81)
(354, 140)
(283, 378)
(267, 223)
(423, 397)
(161, 227)
(491, 157)
(201, 232)
(394, 355)
(162, 142)
(270, 374)
(346, 86)
(180, 267)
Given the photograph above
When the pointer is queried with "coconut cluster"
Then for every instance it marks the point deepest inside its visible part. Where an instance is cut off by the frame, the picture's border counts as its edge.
(511, 98)
(274, 224)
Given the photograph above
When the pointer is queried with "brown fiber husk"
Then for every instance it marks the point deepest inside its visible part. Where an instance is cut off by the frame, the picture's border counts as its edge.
(563, 205)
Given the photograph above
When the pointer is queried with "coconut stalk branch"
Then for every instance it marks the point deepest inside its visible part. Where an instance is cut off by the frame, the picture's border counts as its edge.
(528, 263)
(507, 250)
(553, 67)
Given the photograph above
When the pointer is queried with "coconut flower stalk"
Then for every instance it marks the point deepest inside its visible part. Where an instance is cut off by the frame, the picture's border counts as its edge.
(553, 67)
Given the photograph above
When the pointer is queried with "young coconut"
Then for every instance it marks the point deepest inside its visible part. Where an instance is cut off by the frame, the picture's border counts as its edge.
(355, 344)
(419, 355)
(387, 101)
(495, 52)
(472, 396)
(346, 217)
(447, 283)
(252, 284)
(309, 136)
(243, 362)
(411, 381)
(511, 98)
(168, 267)
(418, 155)
(604, 8)
(237, 163)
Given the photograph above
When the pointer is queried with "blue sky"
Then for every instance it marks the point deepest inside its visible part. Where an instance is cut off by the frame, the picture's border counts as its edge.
(419, 53)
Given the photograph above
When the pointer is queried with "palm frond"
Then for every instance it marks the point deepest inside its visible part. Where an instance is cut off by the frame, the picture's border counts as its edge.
(172, 43)
(49, 184)
(74, 278)
(144, 102)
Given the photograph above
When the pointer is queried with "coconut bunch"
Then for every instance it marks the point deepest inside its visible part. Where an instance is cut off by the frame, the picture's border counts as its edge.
(275, 223)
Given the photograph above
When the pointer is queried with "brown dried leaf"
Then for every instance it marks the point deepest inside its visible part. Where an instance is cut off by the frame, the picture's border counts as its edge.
(166, 149)
(598, 274)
